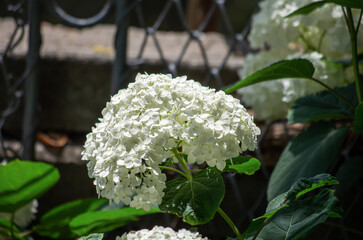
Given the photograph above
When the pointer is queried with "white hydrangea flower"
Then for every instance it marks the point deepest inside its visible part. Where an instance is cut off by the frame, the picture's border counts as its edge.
(328, 72)
(271, 100)
(24, 215)
(155, 113)
(264, 98)
(161, 233)
(269, 26)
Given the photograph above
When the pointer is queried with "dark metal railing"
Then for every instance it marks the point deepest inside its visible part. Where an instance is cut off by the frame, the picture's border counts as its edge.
(14, 85)
(32, 80)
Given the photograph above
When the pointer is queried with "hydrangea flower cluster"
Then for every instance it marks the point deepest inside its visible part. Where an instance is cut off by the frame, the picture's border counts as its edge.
(24, 215)
(326, 22)
(161, 233)
(271, 100)
(142, 123)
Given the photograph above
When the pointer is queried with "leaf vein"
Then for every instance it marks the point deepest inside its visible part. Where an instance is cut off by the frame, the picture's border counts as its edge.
(290, 225)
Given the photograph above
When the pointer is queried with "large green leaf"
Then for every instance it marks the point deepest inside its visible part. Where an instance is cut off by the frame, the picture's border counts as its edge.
(348, 3)
(308, 154)
(307, 8)
(107, 220)
(294, 68)
(300, 216)
(23, 181)
(197, 199)
(324, 105)
(299, 188)
(358, 119)
(312, 6)
(348, 173)
(55, 223)
(242, 165)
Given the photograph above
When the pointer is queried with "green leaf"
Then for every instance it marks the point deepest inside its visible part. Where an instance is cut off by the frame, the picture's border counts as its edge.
(294, 68)
(7, 233)
(6, 227)
(197, 199)
(348, 173)
(104, 221)
(299, 188)
(254, 226)
(308, 154)
(6, 224)
(23, 181)
(323, 105)
(242, 165)
(258, 222)
(312, 6)
(55, 223)
(93, 236)
(358, 119)
(80, 217)
(306, 185)
(307, 9)
(348, 3)
(300, 216)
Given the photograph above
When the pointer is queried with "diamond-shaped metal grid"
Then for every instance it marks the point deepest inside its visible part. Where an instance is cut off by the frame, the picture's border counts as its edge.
(232, 40)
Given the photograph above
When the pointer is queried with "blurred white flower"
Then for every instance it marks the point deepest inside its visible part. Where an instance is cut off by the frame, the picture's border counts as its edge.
(271, 100)
(155, 113)
(161, 233)
(269, 26)
(24, 215)
(264, 98)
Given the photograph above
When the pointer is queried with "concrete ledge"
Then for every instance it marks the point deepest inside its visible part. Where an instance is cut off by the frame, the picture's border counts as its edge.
(96, 44)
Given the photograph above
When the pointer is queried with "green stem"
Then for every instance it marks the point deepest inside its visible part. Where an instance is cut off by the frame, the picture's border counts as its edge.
(333, 92)
(12, 225)
(307, 43)
(321, 40)
(230, 223)
(359, 19)
(182, 163)
(344, 228)
(353, 41)
(175, 170)
(26, 233)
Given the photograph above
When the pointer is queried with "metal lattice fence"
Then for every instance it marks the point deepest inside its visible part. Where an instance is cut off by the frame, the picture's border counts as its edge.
(25, 87)
(14, 85)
